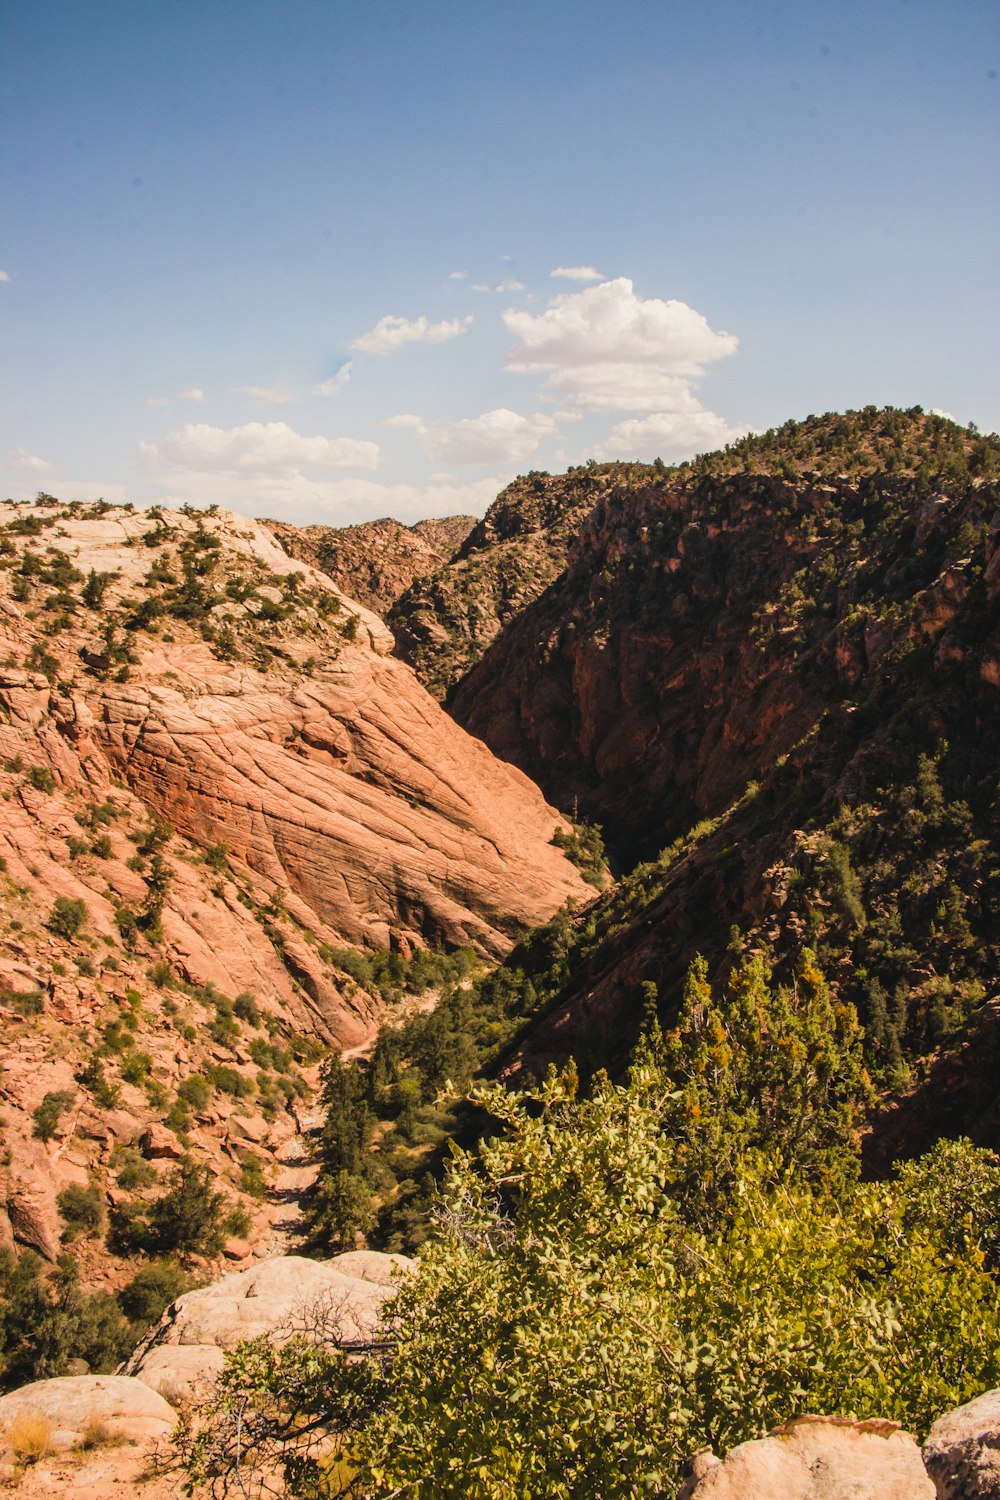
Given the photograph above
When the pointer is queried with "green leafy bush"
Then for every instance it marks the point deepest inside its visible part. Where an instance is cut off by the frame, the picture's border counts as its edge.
(47, 1114)
(67, 916)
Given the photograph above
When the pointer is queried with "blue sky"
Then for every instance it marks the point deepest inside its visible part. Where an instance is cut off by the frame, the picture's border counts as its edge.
(296, 256)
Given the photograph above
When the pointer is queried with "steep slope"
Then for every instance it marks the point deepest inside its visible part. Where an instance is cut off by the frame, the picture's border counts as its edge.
(214, 777)
(446, 619)
(375, 561)
(705, 623)
(793, 685)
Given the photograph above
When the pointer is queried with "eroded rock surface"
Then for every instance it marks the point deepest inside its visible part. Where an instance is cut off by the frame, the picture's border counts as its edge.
(124, 1408)
(962, 1451)
(817, 1458)
(336, 1301)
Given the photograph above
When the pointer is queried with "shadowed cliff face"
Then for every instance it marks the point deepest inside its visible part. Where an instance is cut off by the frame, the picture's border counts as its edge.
(784, 695)
(701, 631)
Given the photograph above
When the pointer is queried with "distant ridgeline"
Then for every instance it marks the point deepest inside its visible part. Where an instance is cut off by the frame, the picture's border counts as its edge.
(772, 677)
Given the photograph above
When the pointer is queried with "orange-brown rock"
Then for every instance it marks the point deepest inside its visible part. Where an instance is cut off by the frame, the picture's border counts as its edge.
(374, 562)
(214, 778)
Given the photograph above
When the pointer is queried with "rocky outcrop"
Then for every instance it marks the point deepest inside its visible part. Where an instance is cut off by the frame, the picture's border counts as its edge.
(375, 561)
(336, 1301)
(962, 1451)
(816, 1458)
(216, 780)
(123, 1408)
(446, 619)
(351, 790)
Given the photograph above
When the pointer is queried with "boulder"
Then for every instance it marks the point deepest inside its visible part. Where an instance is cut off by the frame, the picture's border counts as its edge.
(181, 1372)
(338, 1301)
(157, 1142)
(816, 1458)
(126, 1408)
(31, 1202)
(962, 1451)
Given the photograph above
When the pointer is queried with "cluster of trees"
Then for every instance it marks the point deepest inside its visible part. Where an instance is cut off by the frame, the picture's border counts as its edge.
(617, 1277)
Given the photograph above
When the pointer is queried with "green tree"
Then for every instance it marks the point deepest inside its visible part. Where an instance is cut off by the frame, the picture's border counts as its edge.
(570, 1332)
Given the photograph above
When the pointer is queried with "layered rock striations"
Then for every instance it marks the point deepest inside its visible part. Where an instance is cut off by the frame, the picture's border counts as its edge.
(216, 780)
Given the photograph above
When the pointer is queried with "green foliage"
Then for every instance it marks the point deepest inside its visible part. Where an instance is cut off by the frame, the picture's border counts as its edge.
(571, 1330)
(770, 1070)
(188, 1218)
(24, 1002)
(82, 1208)
(584, 846)
(151, 1291)
(67, 916)
(41, 778)
(47, 1114)
(46, 1319)
(195, 1090)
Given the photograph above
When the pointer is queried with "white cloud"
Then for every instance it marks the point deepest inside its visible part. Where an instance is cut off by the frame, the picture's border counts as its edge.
(457, 275)
(509, 286)
(194, 394)
(30, 463)
(577, 273)
(334, 383)
(404, 419)
(391, 333)
(481, 286)
(157, 401)
(340, 500)
(256, 447)
(500, 436)
(936, 411)
(610, 325)
(4, 276)
(607, 349)
(669, 435)
(266, 395)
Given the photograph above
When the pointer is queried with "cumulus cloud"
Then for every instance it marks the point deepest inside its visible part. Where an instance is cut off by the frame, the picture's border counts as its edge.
(334, 383)
(457, 275)
(577, 273)
(266, 395)
(669, 435)
(391, 333)
(608, 349)
(194, 394)
(500, 436)
(610, 326)
(404, 419)
(256, 447)
(29, 463)
(4, 276)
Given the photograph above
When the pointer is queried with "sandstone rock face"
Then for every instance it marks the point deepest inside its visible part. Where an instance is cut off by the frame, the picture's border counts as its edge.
(355, 792)
(293, 742)
(446, 619)
(127, 1408)
(31, 1201)
(692, 640)
(337, 1301)
(375, 561)
(962, 1451)
(817, 1458)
